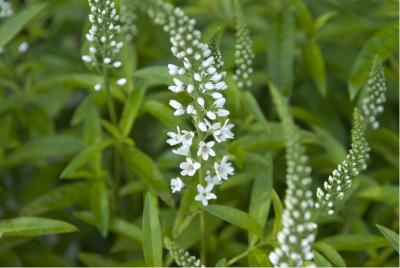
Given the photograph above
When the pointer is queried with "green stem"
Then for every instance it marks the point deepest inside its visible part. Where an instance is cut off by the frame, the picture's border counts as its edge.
(113, 117)
(203, 252)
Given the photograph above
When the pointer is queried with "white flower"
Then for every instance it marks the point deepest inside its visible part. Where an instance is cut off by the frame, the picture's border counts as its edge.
(87, 58)
(121, 81)
(173, 69)
(223, 169)
(205, 149)
(183, 150)
(205, 194)
(187, 137)
(97, 87)
(189, 167)
(23, 47)
(224, 132)
(212, 179)
(177, 185)
(175, 138)
(177, 106)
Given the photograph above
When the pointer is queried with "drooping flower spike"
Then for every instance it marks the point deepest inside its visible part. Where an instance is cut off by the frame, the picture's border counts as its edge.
(199, 77)
(297, 234)
(356, 161)
(341, 178)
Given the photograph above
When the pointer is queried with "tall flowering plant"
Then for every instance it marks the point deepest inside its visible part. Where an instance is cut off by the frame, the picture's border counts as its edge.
(200, 82)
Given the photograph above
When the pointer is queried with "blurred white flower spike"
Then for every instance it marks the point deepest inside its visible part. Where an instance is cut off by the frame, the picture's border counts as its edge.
(244, 55)
(372, 104)
(199, 78)
(6, 9)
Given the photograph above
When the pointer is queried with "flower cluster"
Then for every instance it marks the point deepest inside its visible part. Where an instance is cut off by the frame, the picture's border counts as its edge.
(102, 36)
(341, 178)
(128, 20)
(5, 9)
(200, 79)
(298, 231)
(372, 104)
(181, 257)
(243, 51)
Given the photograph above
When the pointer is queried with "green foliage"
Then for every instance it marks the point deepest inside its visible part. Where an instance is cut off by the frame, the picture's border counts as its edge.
(78, 188)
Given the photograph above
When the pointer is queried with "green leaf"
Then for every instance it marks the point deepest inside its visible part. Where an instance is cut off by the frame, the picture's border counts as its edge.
(221, 263)
(84, 157)
(33, 226)
(355, 241)
(320, 260)
(316, 65)
(281, 51)
(251, 104)
(236, 217)
(44, 147)
(162, 112)
(390, 236)
(100, 206)
(155, 75)
(261, 193)
(330, 253)
(383, 43)
(143, 166)
(12, 26)
(131, 109)
(332, 146)
(152, 240)
(278, 209)
(60, 197)
(388, 194)
(117, 225)
(96, 260)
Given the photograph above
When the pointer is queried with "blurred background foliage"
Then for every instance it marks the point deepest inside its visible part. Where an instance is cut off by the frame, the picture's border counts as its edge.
(318, 53)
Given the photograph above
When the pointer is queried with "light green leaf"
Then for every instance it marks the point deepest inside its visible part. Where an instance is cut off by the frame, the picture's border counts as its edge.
(261, 193)
(355, 241)
(316, 65)
(236, 217)
(143, 166)
(84, 157)
(131, 109)
(60, 197)
(330, 253)
(33, 226)
(100, 206)
(15, 23)
(44, 147)
(390, 236)
(383, 43)
(152, 240)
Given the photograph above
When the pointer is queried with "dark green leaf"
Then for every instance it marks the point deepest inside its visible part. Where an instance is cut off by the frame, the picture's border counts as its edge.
(390, 236)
